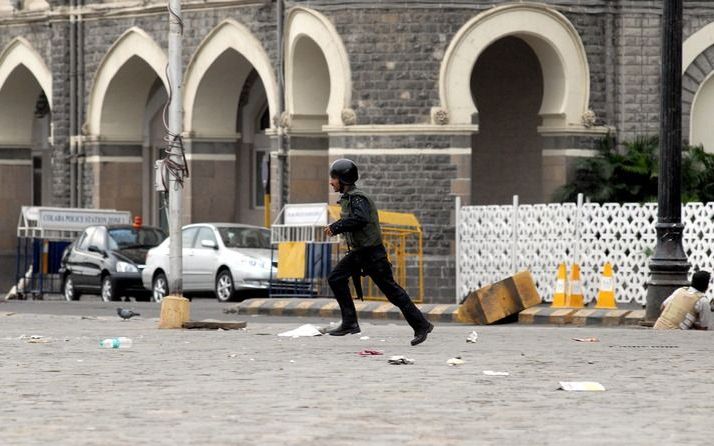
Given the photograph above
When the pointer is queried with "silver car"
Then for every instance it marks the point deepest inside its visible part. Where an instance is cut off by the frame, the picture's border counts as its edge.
(226, 259)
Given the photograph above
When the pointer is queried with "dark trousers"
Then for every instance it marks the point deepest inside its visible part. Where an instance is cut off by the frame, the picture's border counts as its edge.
(373, 261)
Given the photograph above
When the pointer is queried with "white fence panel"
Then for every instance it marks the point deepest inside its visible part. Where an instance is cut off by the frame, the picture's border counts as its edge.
(591, 234)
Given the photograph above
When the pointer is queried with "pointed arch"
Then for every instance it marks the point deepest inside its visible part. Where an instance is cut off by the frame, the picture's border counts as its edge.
(23, 76)
(305, 23)
(20, 51)
(552, 37)
(134, 43)
(213, 101)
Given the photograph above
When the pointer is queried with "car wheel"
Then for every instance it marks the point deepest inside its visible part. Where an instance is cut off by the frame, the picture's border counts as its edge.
(225, 292)
(70, 292)
(108, 291)
(159, 287)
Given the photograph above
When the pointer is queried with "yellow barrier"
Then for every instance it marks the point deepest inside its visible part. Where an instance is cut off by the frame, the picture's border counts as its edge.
(399, 230)
(291, 260)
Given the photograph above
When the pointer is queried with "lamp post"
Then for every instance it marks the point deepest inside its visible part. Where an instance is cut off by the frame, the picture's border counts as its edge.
(175, 154)
(175, 308)
(669, 266)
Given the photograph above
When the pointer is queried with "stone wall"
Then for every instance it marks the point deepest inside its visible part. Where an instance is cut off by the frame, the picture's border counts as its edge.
(395, 51)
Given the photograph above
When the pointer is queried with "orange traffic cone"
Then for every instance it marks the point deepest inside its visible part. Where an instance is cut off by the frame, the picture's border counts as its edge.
(560, 281)
(574, 298)
(606, 295)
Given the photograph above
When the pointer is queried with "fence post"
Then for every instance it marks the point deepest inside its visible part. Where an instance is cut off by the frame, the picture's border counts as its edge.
(457, 221)
(514, 236)
(578, 220)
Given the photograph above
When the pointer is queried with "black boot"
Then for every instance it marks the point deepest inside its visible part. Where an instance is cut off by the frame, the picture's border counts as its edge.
(421, 334)
(345, 329)
(349, 323)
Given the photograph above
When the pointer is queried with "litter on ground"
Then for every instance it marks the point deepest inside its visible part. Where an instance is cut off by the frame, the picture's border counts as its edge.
(455, 361)
(306, 330)
(581, 386)
(368, 352)
(586, 339)
(492, 373)
(473, 337)
(398, 360)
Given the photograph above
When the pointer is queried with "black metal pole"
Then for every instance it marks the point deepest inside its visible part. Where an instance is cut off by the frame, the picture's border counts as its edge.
(669, 265)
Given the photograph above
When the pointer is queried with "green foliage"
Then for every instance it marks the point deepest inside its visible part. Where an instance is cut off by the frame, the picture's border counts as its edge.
(631, 175)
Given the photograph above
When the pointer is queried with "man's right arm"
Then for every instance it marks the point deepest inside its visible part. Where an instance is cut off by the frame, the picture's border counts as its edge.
(666, 302)
(356, 221)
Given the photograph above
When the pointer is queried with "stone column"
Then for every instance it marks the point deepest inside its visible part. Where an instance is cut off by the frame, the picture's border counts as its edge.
(15, 192)
(561, 153)
(210, 191)
(114, 169)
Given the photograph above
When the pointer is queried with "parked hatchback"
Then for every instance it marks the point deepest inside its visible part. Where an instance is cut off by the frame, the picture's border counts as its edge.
(107, 260)
(229, 260)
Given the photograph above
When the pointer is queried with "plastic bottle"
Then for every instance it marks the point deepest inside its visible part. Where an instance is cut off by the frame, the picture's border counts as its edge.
(120, 342)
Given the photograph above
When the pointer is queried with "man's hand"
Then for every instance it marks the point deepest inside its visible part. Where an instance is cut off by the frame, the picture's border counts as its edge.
(328, 231)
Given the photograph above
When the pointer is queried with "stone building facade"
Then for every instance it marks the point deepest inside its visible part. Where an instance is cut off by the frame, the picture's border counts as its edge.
(477, 99)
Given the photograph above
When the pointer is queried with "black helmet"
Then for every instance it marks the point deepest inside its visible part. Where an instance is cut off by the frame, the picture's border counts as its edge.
(345, 170)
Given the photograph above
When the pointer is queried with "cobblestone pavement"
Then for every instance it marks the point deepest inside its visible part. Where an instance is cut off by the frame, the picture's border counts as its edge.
(251, 387)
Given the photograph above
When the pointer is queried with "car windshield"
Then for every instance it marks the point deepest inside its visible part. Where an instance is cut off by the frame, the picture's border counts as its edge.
(127, 238)
(236, 237)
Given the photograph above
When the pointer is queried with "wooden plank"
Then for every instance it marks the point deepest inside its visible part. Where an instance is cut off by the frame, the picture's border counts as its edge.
(211, 324)
(500, 300)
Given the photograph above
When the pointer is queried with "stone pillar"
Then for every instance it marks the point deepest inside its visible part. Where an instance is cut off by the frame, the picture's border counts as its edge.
(116, 175)
(15, 192)
(308, 158)
(210, 191)
(561, 152)
(6, 7)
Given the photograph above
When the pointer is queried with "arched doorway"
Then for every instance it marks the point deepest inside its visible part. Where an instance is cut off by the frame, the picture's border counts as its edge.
(310, 93)
(154, 204)
(507, 85)
(229, 95)
(25, 146)
(702, 115)
(318, 94)
(564, 93)
(125, 127)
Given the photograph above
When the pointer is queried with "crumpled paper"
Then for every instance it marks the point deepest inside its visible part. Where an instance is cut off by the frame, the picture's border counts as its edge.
(581, 386)
(586, 339)
(455, 361)
(473, 337)
(306, 330)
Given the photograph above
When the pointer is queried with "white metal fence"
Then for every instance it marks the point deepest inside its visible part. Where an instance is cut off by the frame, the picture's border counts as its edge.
(493, 242)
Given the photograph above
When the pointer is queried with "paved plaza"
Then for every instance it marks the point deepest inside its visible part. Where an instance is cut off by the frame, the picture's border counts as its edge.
(251, 387)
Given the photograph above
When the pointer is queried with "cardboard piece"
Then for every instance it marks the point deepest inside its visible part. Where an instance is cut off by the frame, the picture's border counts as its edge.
(500, 300)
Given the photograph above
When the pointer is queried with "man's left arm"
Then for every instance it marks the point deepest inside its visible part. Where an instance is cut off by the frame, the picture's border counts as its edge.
(704, 312)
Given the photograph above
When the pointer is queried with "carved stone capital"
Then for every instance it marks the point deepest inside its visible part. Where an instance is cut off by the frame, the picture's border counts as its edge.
(589, 119)
(285, 120)
(349, 117)
(439, 116)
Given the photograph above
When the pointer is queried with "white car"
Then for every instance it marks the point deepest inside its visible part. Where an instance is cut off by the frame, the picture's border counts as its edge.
(222, 258)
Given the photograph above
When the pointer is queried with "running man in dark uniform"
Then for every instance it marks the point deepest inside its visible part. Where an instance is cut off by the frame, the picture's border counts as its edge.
(359, 223)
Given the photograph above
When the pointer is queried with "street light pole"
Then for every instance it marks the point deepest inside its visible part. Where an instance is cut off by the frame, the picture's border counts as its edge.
(174, 307)
(669, 265)
(175, 155)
